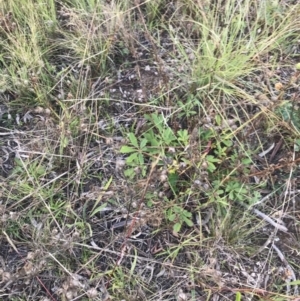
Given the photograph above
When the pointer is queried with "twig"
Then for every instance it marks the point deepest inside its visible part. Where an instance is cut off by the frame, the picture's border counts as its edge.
(291, 273)
(264, 216)
(270, 221)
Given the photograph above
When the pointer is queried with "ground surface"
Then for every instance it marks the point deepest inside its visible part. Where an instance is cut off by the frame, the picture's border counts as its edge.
(149, 150)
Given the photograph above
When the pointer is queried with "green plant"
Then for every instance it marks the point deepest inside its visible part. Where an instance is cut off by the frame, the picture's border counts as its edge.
(238, 296)
(236, 191)
(151, 143)
(190, 107)
(179, 216)
(164, 135)
(289, 113)
(183, 137)
(137, 151)
(211, 162)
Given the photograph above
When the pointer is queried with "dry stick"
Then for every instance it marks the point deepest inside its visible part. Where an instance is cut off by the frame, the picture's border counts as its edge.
(264, 216)
(292, 275)
(133, 221)
(269, 170)
(270, 221)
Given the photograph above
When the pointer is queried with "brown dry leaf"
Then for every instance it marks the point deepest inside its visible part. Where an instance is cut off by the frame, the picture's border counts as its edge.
(29, 268)
(264, 99)
(215, 275)
(278, 86)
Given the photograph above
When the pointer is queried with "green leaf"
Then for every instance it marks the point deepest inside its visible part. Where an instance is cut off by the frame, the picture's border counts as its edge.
(141, 159)
(183, 134)
(211, 158)
(211, 167)
(187, 213)
(143, 143)
(168, 136)
(177, 209)
(40, 170)
(188, 222)
(133, 140)
(133, 158)
(246, 161)
(134, 262)
(219, 191)
(171, 217)
(98, 209)
(144, 170)
(238, 296)
(227, 143)
(177, 227)
(127, 149)
(64, 142)
(240, 197)
(151, 137)
(218, 120)
(149, 203)
(243, 191)
(129, 173)
(296, 282)
(172, 179)
(108, 183)
(158, 121)
(183, 137)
